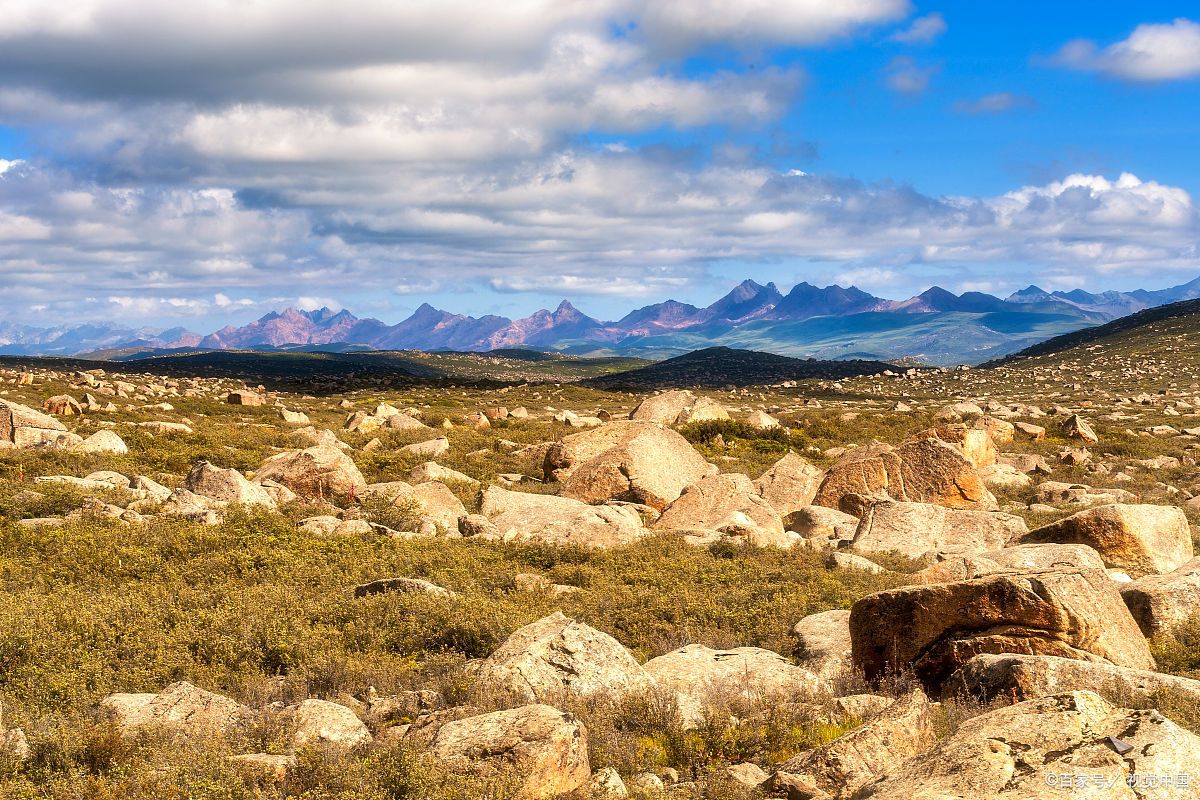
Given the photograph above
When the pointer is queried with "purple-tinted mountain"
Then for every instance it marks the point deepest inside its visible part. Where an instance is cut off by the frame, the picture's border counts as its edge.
(805, 301)
(827, 322)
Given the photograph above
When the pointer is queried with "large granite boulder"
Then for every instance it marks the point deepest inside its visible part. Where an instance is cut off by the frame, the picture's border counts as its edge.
(1135, 539)
(320, 472)
(934, 629)
(526, 517)
(1160, 603)
(1025, 750)
(22, 427)
(790, 484)
(555, 658)
(633, 461)
(985, 678)
(924, 529)
(543, 748)
(700, 676)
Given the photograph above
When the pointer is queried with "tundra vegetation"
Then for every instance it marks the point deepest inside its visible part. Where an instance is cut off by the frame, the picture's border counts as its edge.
(215, 590)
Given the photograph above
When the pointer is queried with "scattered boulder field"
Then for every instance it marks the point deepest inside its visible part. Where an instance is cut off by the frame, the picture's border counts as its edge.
(1006, 592)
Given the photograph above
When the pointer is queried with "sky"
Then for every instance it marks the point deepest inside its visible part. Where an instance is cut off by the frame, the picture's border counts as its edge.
(203, 163)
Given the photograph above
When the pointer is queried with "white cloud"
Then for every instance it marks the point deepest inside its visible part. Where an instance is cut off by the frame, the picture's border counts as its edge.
(417, 286)
(923, 30)
(996, 103)
(905, 75)
(875, 277)
(572, 285)
(1153, 52)
(218, 158)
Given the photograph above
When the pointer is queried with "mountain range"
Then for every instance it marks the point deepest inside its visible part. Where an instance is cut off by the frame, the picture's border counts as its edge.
(831, 322)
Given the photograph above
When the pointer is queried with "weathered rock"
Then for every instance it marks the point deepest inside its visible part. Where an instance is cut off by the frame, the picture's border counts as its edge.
(790, 484)
(920, 530)
(432, 471)
(1014, 678)
(1004, 477)
(761, 420)
(700, 676)
(840, 560)
(62, 405)
(403, 422)
(22, 427)
(746, 775)
(1020, 751)
(264, 767)
(181, 708)
(316, 473)
(326, 525)
(521, 516)
(663, 408)
(1000, 431)
(245, 397)
(402, 586)
(878, 748)
(712, 502)
(191, 506)
(326, 725)
(544, 748)
(226, 485)
(625, 460)
(103, 442)
(935, 629)
(432, 500)
(823, 646)
(555, 658)
(934, 471)
(1054, 493)
(821, 526)
(1034, 433)
(871, 471)
(293, 417)
(1076, 427)
(428, 449)
(975, 443)
(1039, 557)
(1160, 603)
(704, 409)
(1136, 539)
(606, 784)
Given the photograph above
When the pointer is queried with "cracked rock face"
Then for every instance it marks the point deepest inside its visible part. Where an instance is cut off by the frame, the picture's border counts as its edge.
(935, 629)
(23, 427)
(556, 656)
(937, 472)
(1022, 751)
(918, 529)
(904, 729)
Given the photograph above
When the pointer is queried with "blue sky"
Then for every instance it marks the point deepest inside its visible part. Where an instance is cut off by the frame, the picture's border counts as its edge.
(199, 165)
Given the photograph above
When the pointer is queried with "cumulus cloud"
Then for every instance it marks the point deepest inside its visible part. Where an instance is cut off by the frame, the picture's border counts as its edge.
(1153, 52)
(996, 103)
(220, 158)
(922, 30)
